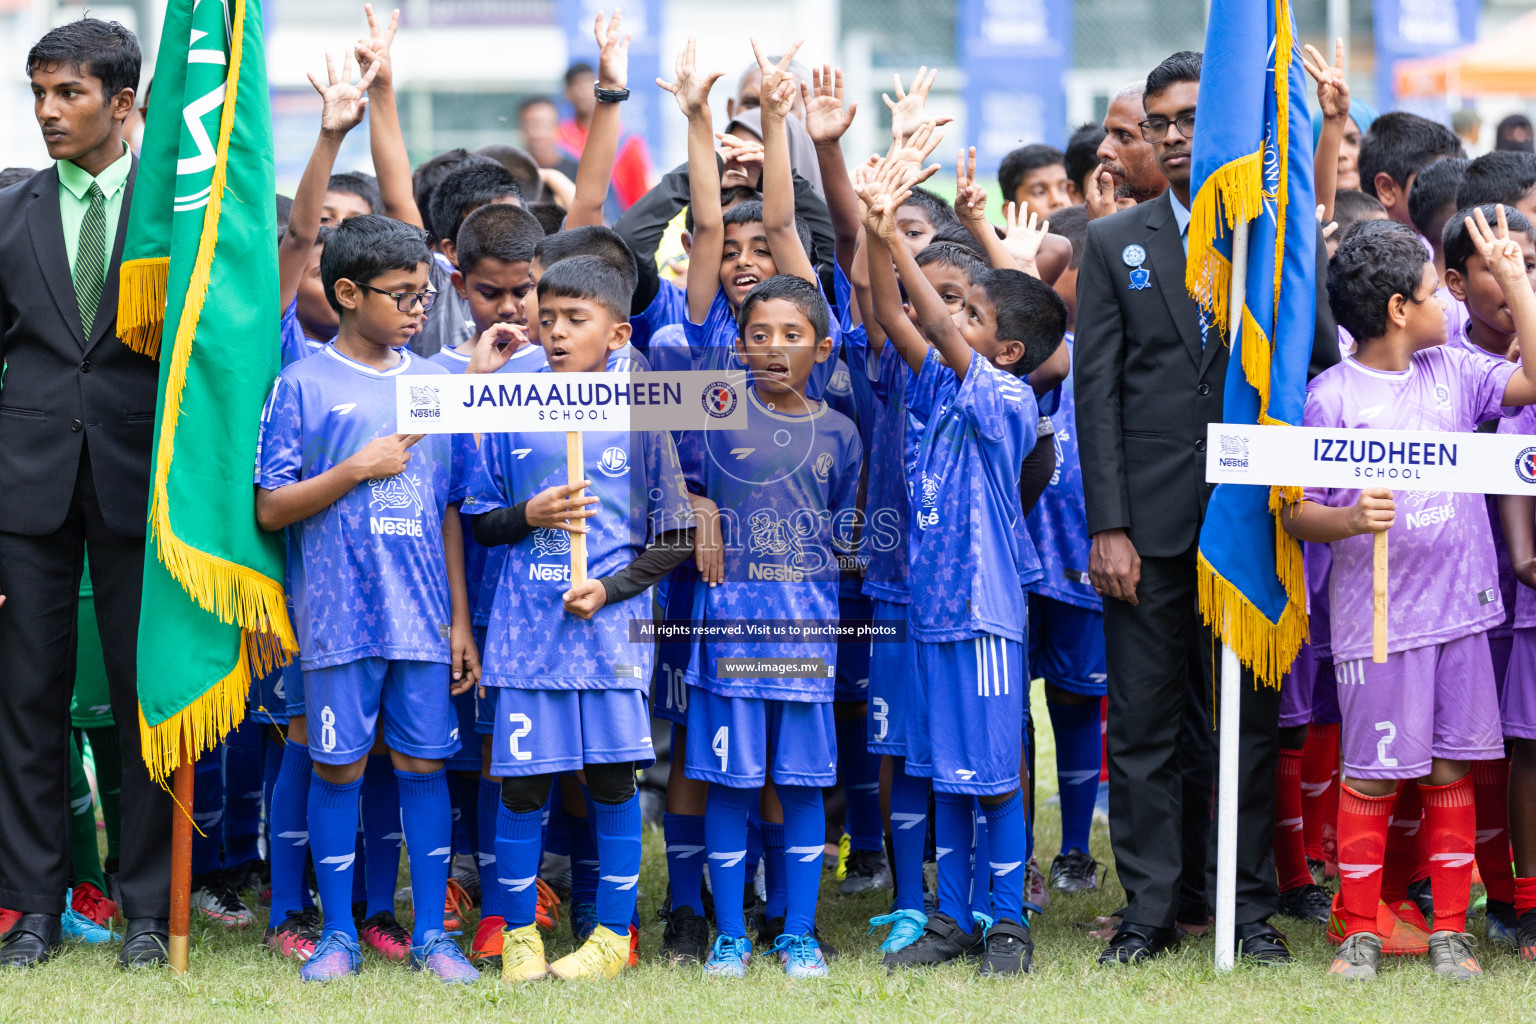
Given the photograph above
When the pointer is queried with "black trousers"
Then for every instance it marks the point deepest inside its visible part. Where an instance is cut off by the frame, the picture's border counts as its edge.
(1161, 680)
(40, 578)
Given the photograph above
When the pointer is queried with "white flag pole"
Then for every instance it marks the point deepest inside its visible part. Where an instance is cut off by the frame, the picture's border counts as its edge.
(1231, 689)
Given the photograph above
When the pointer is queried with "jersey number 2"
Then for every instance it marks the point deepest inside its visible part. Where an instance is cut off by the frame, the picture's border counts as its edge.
(523, 726)
(1389, 733)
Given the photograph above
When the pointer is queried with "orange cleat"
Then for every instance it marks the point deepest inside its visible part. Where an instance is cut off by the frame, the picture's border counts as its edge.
(546, 913)
(487, 945)
(1402, 929)
(634, 946)
(455, 902)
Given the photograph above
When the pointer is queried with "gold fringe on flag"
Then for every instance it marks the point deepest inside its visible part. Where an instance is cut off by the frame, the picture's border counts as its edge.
(141, 304)
(1233, 193)
(1269, 648)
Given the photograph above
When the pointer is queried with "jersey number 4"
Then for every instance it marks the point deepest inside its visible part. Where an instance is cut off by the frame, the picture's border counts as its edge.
(722, 745)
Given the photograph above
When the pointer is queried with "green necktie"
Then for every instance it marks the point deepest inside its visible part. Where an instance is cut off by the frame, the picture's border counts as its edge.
(91, 258)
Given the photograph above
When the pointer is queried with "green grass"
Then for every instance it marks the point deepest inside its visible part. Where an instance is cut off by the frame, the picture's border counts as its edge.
(234, 979)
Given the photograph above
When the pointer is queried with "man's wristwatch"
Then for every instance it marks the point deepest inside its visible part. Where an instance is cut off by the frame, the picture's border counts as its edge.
(610, 95)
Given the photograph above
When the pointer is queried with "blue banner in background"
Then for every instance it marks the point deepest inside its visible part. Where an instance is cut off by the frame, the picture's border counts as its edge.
(1015, 55)
(643, 23)
(1419, 28)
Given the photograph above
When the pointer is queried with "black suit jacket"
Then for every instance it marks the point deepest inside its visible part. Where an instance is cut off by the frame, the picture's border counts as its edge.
(63, 387)
(1145, 387)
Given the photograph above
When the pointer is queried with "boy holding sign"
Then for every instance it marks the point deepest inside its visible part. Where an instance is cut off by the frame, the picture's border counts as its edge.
(1431, 708)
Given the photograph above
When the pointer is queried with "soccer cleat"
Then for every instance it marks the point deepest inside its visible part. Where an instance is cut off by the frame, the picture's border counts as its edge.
(253, 874)
(801, 956)
(546, 912)
(455, 902)
(1036, 891)
(385, 934)
(941, 941)
(864, 871)
(770, 928)
(8, 919)
(217, 900)
(1306, 903)
(441, 956)
(685, 938)
(486, 949)
(297, 937)
(1074, 871)
(728, 958)
(1451, 955)
(1357, 957)
(634, 946)
(1404, 928)
(522, 954)
(906, 928)
(90, 902)
(337, 956)
(1525, 935)
(1318, 870)
(1499, 924)
(583, 920)
(603, 955)
(844, 848)
(1009, 950)
(76, 927)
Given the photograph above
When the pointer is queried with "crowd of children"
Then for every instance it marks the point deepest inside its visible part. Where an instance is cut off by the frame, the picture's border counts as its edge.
(909, 459)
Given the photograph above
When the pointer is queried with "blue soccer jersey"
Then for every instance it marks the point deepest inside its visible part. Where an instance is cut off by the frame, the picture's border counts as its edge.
(295, 343)
(367, 573)
(670, 306)
(712, 344)
(973, 555)
(532, 642)
(892, 439)
(786, 487)
(1058, 524)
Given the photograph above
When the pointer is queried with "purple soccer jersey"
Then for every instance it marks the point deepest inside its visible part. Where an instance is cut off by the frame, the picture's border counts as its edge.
(368, 573)
(973, 554)
(1443, 580)
(1523, 422)
(786, 487)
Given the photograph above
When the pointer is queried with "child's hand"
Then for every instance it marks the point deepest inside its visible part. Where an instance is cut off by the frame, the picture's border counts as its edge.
(708, 544)
(495, 347)
(1502, 254)
(1332, 89)
(919, 146)
(776, 101)
(465, 658)
(970, 198)
(908, 107)
(385, 456)
(1525, 572)
(1100, 199)
(375, 49)
(613, 62)
(343, 103)
(1024, 237)
(734, 149)
(584, 599)
(1375, 512)
(826, 119)
(559, 507)
(692, 86)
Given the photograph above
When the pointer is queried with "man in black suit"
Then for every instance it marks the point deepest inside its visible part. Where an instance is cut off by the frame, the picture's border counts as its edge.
(77, 413)
(1147, 386)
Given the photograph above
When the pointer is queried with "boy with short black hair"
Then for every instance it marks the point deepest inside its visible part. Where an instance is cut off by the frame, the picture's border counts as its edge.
(350, 194)
(1502, 176)
(1350, 207)
(1433, 707)
(1399, 146)
(922, 216)
(1035, 177)
(327, 429)
(1433, 200)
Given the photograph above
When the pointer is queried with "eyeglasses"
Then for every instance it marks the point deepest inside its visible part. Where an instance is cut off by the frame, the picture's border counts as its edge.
(405, 301)
(1155, 129)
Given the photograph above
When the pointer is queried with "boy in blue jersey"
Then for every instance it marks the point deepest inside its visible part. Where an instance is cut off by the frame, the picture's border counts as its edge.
(783, 492)
(569, 681)
(382, 611)
(967, 612)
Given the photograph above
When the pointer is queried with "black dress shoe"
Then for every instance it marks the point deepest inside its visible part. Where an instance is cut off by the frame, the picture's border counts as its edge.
(1261, 943)
(31, 940)
(146, 943)
(1138, 943)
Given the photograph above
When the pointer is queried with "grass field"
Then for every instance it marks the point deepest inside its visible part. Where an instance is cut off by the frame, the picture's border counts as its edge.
(234, 979)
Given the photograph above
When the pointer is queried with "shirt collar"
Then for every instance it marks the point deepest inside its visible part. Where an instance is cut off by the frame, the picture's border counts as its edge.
(1180, 212)
(112, 178)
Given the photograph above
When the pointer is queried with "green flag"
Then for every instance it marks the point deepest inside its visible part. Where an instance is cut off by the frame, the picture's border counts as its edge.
(199, 292)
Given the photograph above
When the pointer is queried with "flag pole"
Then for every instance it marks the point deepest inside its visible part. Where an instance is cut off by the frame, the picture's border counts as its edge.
(1231, 688)
(181, 863)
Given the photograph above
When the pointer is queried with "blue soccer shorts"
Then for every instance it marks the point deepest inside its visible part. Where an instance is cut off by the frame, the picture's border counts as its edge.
(465, 713)
(268, 699)
(891, 667)
(743, 741)
(293, 689)
(1066, 646)
(485, 707)
(540, 732)
(677, 658)
(965, 723)
(342, 704)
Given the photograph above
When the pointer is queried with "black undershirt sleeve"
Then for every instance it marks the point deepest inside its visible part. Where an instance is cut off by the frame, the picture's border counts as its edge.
(502, 526)
(666, 553)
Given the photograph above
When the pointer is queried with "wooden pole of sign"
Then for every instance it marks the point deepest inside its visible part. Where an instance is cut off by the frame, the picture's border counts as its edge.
(1379, 600)
(573, 472)
(181, 864)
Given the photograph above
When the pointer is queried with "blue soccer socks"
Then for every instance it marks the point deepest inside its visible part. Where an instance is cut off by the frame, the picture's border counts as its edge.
(427, 821)
(492, 894)
(805, 831)
(1079, 752)
(859, 772)
(684, 835)
(333, 842)
(382, 835)
(775, 879)
(953, 834)
(909, 834)
(1007, 825)
(725, 843)
(617, 827)
(288, 831)
(518, 842)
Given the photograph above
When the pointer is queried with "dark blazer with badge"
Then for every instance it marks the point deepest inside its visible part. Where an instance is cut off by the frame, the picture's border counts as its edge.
(1146, 387)
(60, 385)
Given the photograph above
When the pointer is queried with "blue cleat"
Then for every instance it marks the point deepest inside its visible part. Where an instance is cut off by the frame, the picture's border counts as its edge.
(906, 928)
(801, 955)
(76, 927)
(728, 958)
(583, 921)
(442, 957)
(337, 956)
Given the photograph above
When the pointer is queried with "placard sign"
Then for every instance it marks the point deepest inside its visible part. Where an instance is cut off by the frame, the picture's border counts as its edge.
(1419, 460)
(489, 403)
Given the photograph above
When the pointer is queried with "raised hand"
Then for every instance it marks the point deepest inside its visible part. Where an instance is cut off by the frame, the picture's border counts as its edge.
(613, 60)
(344, 104)
(1332, 89)
(692, 86)
(1502, 254)
(374, 51)
(776, 101)
(970, 197)
(918, 146)
(826, 119)
(907, 110)
(1024, 236)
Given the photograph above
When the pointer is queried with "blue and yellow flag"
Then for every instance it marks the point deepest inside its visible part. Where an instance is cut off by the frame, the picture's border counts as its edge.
(1253, 163)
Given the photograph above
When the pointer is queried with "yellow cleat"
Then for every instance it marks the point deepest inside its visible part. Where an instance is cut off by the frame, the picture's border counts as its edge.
(603, 955)
(522, 954)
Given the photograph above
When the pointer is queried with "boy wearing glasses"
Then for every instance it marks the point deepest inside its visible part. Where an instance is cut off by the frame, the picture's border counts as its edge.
(376, 572)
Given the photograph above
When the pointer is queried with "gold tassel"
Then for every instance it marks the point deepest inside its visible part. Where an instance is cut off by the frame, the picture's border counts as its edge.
(1269, 648)
(1231, 194)
(141, 304)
